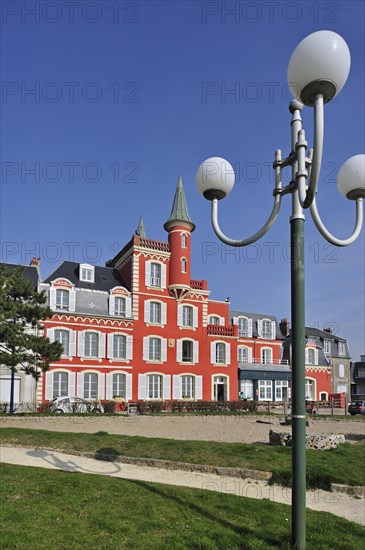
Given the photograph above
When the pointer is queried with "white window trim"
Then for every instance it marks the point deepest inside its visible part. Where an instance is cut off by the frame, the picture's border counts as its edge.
(89, 268)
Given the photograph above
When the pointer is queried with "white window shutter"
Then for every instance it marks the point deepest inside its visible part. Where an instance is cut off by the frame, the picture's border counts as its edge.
(49, 386)
(228, 354)
(179, 351)
(176, 387)
(101, 345)
(81, 338)
(195, 316)
(235, 320)
(146, 343)
(259, 327)
(71, 383)
(273, 330)
(212, 352)
(128, 307)
(142, 386)
(198, 387)
(166, 387)
(195, 352)
(72, 344)
(129, 348)
(147, 273)
(50, 334)
(316, 356)
(164, 314)
(249, 355)
(80, 384)
(101, 385)
(249, 328)
(128, 386)
(221, 321)
(163, 276)
(52, 298)
(163, 349)
(180, 315)
(306, 356)
(110, 345)
(109, 386)
(72, 305)
(147, 308)
(111, 305)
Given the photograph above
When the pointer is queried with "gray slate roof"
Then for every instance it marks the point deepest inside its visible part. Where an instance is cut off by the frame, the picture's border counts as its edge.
(105, 277)
(255, 317)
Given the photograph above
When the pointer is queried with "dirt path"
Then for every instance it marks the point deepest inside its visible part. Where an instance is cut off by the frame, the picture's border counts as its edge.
(244, 429)
(337, 503)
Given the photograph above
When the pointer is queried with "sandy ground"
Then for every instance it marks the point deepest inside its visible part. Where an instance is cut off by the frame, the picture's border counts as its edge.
(339, 504)
(244, 429)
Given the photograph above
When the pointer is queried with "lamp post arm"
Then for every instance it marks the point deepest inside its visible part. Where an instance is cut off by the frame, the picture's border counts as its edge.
(317, 150)
(327, 235)
(265, 228)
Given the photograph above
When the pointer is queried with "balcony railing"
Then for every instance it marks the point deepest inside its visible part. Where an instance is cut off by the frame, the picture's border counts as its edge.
(219, 330)
(198, 285)
(259, 361)
(151, 244)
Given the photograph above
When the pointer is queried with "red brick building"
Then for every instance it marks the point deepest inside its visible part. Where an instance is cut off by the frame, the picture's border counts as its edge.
(141, 328)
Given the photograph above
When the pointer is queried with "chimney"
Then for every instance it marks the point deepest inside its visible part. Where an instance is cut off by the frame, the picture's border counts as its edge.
(36, 262)
(328, 329)
(284, 327)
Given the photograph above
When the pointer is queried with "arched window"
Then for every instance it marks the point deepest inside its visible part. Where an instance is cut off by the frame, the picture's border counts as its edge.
(154, 352)
(311, 356)
(119, 306)
(220, 352)
(90, 385)
(183, 240)
(60, 384)
(243, 327)
(266, 356)
(155, 279)
(243, 354)
(63, 336)
(183, 265)
(187, 316)
(154, 386)
(119, 385)
(91, 344)
(119, 346)
(214, 320)
(62, 299)
(155, 312)
(188, 386)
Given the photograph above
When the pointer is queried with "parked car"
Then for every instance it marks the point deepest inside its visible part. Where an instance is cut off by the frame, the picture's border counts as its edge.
(356, 407)
(67, 404)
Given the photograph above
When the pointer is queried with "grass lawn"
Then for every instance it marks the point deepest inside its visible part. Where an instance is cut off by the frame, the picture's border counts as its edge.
(44, 509)
(342, 465)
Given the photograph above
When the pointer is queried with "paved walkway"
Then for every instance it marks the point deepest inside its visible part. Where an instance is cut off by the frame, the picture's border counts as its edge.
(339, 504)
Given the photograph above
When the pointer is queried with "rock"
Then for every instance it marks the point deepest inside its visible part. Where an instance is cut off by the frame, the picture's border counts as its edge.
(318, 441)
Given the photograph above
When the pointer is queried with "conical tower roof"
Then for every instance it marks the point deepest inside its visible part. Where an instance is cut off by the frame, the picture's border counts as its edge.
(179, 212)
(140, 229)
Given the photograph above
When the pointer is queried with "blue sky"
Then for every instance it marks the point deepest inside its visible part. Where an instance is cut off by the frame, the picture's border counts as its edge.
(128, 95)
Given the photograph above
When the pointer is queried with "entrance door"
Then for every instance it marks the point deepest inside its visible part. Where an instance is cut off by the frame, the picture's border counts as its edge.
(220, 388)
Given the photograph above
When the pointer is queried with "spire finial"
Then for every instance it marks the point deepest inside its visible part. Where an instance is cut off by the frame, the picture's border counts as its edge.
(140, 231)
(179, 212)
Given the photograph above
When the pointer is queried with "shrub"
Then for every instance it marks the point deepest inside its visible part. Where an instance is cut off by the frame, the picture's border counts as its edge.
(109, 406)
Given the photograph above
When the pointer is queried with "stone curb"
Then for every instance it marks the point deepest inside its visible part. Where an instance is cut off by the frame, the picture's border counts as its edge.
(258, 475)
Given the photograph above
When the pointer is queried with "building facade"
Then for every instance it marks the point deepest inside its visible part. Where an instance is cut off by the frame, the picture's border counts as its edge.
(141, 328)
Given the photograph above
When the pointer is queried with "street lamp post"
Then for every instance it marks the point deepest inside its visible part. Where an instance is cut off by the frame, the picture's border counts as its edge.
(317, 71)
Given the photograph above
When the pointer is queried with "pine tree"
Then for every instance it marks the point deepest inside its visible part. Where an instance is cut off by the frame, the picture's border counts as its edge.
(21, 311)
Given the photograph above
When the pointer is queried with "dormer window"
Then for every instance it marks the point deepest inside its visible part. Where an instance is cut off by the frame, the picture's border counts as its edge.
(120, 306)
(62, 299)
(87, 273)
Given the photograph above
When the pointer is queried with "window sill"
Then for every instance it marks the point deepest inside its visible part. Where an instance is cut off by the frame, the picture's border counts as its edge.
(188, 363)
(220, 364)
(154, 362)
(99, 359)
(150, 324)
(117, 360)
(184, 327)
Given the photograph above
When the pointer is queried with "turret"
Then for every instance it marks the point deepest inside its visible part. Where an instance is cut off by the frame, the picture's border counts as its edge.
(179, 227)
